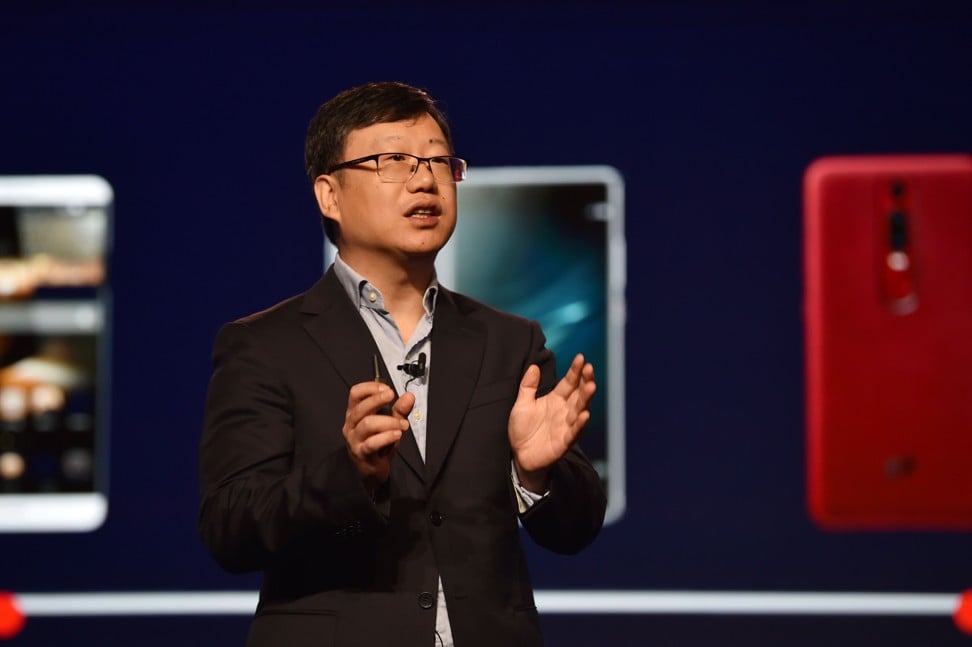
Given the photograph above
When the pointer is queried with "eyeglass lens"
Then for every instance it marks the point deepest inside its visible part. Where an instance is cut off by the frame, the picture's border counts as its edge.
(400, 167)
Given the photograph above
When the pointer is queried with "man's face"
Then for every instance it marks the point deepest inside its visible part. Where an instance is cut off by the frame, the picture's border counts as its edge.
(390, 220)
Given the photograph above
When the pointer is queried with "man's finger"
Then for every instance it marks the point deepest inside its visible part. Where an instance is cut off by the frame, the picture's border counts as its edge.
(376, 443)
(367, 398)
(403, 405)
(573, 377)
(530, 383)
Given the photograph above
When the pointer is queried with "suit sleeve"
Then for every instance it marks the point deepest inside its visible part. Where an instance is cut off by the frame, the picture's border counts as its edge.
(571, 516)
(256, 502)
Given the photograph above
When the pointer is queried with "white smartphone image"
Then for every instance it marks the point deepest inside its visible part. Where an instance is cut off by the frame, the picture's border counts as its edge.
(547, 243)
(54, 313)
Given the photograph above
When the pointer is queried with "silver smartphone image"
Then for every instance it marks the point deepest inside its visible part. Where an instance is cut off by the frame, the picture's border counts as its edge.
(54, 340)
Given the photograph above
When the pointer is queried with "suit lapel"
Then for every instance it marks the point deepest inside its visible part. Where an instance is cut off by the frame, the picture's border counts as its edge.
(337, 328)
(458, 343)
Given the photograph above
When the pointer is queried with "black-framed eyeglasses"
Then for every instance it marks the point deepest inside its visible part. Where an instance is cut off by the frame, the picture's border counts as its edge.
(401, 167)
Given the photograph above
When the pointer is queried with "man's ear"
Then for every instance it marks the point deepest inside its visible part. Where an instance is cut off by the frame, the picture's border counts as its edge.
(327, 191)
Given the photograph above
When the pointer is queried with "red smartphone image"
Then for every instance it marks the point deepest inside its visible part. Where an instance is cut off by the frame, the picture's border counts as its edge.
(888, 341)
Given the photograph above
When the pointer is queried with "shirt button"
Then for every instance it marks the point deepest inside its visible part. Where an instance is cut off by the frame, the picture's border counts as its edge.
(372, 297)
(417, 415)
(436, 519)
(426, 600)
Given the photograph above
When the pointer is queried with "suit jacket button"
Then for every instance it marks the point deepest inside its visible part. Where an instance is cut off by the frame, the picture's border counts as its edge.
(426, 600)
(436, 519)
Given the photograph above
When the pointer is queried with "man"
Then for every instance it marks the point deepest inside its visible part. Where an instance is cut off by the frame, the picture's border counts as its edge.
(372, 444)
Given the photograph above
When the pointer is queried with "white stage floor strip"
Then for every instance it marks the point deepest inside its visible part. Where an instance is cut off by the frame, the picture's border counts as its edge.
(548, 602)
(745, 602)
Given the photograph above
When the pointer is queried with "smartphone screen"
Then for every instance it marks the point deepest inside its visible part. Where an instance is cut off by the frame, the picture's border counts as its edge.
(54, 300)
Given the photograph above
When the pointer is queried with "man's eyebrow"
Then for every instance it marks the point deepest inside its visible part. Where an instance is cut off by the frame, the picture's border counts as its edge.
(394, 138)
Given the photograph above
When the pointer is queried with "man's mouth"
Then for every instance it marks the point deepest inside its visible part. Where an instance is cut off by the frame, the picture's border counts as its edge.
(423, 213)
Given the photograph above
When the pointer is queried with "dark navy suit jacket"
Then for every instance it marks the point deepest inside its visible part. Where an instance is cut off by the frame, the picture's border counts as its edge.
(280, 494)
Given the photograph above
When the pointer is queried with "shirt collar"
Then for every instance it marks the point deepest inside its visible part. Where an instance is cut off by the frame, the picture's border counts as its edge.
(365, 295)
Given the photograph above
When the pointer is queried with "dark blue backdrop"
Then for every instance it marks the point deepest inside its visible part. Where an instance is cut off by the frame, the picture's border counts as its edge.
(711, 112)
